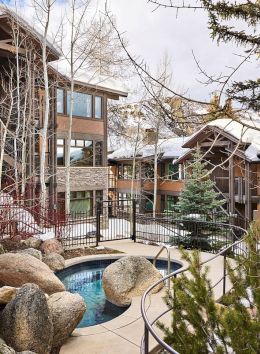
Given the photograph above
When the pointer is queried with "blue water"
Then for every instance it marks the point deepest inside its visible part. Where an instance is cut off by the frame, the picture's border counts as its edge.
(86, 280)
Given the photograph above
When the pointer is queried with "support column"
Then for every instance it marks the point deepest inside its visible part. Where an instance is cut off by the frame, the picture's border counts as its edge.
(248, 202)
(231, 184)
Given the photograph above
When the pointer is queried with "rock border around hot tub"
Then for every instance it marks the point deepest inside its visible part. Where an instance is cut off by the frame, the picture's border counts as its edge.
(134, 308)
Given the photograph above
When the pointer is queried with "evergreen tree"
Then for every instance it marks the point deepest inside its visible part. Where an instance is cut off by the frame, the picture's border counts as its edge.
(198, 195)
(200, 325)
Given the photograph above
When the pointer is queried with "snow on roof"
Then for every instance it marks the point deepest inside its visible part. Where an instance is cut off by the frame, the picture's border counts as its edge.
(84, 77)
(31, 27)
(167, 148)
(247, 130)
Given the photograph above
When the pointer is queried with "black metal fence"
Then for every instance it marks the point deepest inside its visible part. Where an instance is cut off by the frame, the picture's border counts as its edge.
(118, 220)
(112, 220)
(209, 232)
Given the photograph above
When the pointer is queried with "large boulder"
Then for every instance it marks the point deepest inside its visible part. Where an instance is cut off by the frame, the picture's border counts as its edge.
(17, 269)
(32, 242)
(32, 252)
(67, 310)
(52, 246)
(26, 323)
(128, 277)
(5, 349)
(7, 293)
(55, 261)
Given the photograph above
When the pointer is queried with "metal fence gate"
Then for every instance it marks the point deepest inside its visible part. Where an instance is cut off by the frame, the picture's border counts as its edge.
(111, 220)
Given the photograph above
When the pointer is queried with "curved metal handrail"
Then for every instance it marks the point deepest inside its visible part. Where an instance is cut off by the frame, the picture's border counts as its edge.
(148, 326)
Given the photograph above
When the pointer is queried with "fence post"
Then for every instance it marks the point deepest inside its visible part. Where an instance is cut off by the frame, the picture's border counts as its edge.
(98, 222)
(134, 220)
(224, 273)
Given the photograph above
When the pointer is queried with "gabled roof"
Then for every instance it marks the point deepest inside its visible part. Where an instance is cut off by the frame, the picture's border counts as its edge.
(245, 132)
(6, 12)
(84, 78)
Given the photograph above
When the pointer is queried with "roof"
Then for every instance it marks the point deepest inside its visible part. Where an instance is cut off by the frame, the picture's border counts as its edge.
(245, 131)
(35, 32)
(168, 149)
(85, 78)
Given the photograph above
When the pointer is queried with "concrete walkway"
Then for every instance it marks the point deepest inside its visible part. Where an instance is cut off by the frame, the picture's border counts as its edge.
(123, 335)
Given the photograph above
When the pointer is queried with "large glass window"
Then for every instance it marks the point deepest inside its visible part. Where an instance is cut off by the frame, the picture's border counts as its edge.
(60, 101)
(98, 107)
(81, 154)
(60, 152)
(82, 104)
(81, 201)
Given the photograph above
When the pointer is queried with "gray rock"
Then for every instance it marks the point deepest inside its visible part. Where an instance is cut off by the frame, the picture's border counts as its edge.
(7, 293)
(17, 269)
(2, 250)
(32, 252)
(26, 323)
(67, 311)
(55, 261)
(5, 349)
(32, 242)
(52, 246)
(128, 277)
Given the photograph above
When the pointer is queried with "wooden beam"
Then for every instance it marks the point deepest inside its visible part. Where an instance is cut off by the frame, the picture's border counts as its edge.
(9, 40)
(217, 143)
(12, 49)
(248, 197)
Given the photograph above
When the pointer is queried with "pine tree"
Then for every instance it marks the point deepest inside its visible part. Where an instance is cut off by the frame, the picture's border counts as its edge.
(202, 326)
(198, 195)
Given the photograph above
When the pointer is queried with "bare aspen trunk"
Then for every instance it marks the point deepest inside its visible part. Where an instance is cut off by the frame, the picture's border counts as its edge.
(67, 155)
(44, 130)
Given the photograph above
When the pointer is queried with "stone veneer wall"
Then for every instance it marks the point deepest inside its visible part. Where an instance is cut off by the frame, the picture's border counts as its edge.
(83, 178)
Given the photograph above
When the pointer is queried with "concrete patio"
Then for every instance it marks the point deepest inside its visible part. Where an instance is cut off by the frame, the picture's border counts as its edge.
(123, 335)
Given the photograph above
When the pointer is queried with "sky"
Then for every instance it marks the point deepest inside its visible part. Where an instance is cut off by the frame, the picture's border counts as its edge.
(151, 34)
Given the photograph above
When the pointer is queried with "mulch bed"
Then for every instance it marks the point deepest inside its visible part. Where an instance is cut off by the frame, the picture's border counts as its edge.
(88, 251)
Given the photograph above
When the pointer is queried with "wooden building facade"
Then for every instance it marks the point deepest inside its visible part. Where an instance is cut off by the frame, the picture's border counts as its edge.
(232, 150)
(22, 106)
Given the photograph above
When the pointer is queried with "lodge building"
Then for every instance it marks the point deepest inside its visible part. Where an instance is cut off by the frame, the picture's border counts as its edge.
(22, 114)
(232, 150)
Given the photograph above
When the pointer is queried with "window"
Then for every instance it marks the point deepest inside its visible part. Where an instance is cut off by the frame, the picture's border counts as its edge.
(81, 201)
(173, 171)
(99, 196)
(60, 101)
(149, 203)
(98, 107)
(171, 202)
(82, 153)
(60, 152)
(82, 105)
(98, 153)
(149, 171)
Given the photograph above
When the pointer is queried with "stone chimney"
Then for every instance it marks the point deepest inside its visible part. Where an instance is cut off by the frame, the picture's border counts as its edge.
(150, 136)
